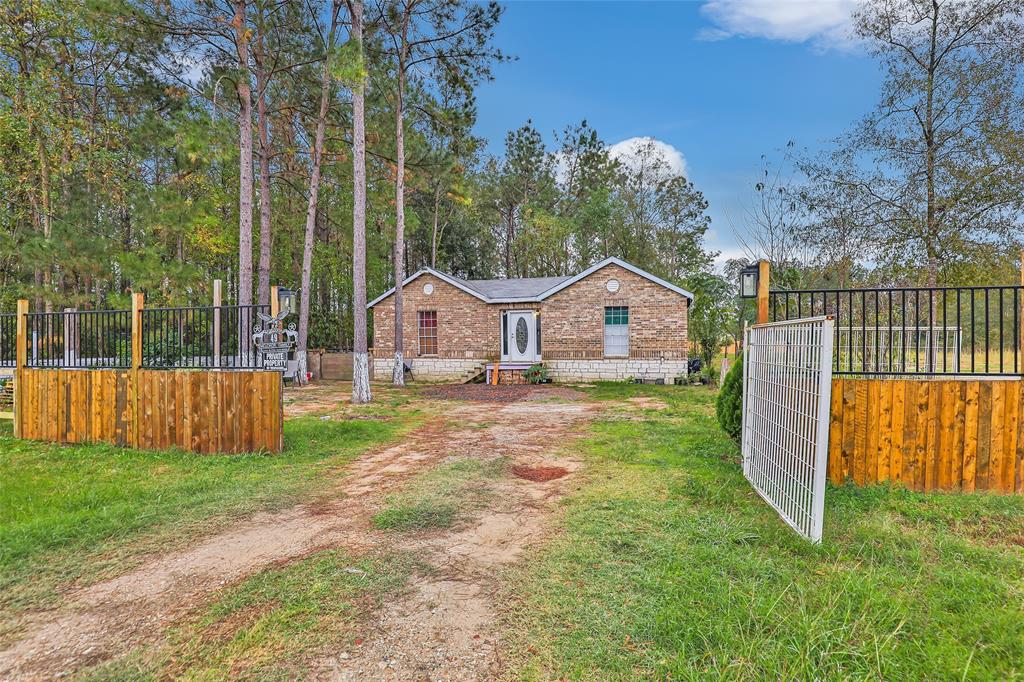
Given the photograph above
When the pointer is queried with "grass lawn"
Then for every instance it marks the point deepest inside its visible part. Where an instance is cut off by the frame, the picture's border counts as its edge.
(669, 566)
(79, 513)
(264, 627)
(441, 497)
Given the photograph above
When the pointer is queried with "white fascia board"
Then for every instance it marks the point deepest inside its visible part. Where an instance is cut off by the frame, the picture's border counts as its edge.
(622, 264)
(540, 297)
(440, 275)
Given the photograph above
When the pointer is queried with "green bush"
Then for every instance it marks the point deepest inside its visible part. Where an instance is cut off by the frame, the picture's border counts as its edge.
(729, 406)
(536, 374)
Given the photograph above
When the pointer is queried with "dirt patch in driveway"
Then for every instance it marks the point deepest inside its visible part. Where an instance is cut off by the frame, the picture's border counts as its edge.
(445, 627)
(539, 474)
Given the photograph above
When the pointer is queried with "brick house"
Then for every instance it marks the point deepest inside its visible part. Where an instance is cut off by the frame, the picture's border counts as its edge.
(611, 321)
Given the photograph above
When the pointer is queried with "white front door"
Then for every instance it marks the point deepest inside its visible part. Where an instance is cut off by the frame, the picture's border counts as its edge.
(521, 341)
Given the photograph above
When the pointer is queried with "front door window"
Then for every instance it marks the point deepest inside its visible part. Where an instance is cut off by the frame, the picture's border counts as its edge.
(520, 337)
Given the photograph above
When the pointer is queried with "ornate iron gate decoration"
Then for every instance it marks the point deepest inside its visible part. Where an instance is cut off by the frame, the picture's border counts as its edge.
(273, 342)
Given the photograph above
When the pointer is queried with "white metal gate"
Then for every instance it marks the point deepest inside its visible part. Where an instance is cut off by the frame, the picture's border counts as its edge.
(787, 388)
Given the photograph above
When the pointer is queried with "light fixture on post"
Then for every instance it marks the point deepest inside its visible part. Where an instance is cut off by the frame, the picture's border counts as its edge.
(286, 300)
(749, 280)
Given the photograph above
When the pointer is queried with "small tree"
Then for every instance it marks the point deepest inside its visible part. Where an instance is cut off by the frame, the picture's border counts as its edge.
(729, 406)
(712, 314)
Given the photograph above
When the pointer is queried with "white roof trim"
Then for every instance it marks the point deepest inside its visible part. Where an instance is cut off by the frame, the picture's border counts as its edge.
(541, 296)
(436, 273)
(622, 264)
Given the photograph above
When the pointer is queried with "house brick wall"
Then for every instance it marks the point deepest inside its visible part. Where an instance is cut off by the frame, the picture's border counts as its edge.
(572, 342)
(467, 328)
(573, 319)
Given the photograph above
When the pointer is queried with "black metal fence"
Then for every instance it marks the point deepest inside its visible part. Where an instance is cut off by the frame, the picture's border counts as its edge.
(200, 338)
(8, 339)
(925, 330)
(172, 338)
(79, 339)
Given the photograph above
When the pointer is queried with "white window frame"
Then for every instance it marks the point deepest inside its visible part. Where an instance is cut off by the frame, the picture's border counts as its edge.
(624, 331)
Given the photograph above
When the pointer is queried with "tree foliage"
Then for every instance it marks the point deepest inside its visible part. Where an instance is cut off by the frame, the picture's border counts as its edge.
(120, 133)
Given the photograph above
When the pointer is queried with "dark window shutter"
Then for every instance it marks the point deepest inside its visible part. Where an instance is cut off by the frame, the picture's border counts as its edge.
(504, 333)
(538, 334)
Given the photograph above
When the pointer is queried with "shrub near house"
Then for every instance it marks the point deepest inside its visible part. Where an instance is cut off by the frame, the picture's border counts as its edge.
(611, 321)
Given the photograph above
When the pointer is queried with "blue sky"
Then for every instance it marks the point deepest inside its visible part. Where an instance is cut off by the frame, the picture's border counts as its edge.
(722, 81)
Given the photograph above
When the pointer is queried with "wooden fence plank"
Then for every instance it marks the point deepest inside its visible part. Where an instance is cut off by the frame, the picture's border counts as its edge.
(956, 456)
(996, 452)
(1018, 469)
(871, 446)
(972, 428)
(985, 407)
(835, 434)
(899, 398)
(885, 430)
(1012, 397)
(910, 431)
(860, 441)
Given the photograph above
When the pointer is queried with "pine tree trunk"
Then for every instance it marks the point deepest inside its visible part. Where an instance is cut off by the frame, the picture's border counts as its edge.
(245, 158)
(44, 191)
(931, 229)
(314, 195)
(360, 358)
(263, 268)
(398, 370)
(435, 236)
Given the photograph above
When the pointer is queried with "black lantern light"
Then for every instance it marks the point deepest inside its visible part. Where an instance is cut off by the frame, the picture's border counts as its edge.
(286, 300)
(748, 281)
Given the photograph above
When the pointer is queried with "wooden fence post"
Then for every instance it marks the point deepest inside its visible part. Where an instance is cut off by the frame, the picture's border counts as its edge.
(763, 282)
(138, 303)
(70, 337)
(275, 302)
(21, 354)
(217, 303)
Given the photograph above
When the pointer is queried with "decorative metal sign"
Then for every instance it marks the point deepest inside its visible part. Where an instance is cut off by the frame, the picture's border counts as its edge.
(273, 341)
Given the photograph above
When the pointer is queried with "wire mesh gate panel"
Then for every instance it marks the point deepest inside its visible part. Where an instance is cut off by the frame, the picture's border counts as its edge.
(787, 388)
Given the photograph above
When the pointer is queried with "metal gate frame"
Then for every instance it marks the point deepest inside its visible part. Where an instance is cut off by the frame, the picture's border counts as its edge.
(787, 388)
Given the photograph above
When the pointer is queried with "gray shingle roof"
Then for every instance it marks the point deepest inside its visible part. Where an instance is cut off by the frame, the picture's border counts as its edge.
(525, 287)
(529, 288)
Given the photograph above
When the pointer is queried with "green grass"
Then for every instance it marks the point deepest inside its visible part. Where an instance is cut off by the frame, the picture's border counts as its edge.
(442, 497)
(670, 567)
(268, 626)
(78, 513)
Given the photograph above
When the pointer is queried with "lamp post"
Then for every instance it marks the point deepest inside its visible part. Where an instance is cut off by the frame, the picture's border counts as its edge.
(286, 300)
(748, 281)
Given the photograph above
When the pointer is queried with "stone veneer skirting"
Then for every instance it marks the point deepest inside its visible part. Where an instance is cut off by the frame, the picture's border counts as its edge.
(445, 369)
(614, 370)
(430, 369)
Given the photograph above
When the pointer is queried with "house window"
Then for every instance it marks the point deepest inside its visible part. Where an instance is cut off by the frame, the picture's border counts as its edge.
(616, 331)
(428, 331)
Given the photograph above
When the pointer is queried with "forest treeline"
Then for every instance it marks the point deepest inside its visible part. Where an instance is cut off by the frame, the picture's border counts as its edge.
(120, 135)
(158, 146)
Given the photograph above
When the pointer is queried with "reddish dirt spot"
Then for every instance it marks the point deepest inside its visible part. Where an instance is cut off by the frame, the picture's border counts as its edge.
(510, 393)
(539, 474)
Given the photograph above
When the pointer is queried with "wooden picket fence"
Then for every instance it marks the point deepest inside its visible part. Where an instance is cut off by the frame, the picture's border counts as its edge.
(928, 434)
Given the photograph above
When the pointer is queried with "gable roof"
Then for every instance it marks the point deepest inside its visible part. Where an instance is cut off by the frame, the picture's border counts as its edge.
(528, 289)
(524, 287)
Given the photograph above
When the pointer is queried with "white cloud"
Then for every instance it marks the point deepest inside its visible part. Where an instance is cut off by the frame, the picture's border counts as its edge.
(824, 23)
(626, 150)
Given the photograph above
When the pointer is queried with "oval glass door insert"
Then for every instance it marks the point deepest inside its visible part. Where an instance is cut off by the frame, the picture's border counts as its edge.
(522, 335)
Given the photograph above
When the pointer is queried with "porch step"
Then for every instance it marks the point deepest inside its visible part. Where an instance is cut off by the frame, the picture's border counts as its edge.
(471, 374)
